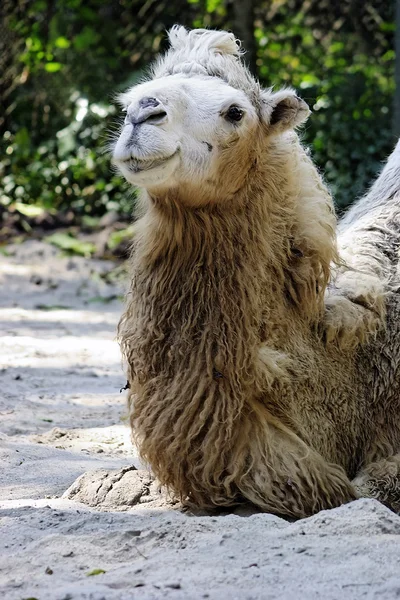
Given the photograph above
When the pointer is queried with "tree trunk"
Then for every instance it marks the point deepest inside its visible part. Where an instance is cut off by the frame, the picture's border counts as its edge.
(243, 28)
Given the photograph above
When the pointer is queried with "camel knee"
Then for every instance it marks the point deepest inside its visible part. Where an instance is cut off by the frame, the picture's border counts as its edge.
(299, 486)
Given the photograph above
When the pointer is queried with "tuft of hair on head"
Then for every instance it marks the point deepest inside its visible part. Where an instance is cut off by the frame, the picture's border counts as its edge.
(203, 41)
(206, 52)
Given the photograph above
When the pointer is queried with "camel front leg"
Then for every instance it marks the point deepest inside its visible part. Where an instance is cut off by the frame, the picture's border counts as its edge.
(381, 480)
(354, 309)
(289, 478)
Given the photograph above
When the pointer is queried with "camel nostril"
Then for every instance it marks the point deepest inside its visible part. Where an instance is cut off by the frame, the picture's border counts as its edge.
(146, 102)
(156, 117)
(147, 110)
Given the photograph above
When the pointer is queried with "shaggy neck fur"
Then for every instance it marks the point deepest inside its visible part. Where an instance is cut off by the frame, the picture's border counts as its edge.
(210, 286)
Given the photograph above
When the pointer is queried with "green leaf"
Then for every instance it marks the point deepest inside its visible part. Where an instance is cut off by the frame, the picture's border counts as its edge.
(52, 67)
(213, 5)
(29, 210)
(70, 244)
(90, 221)
(104, 299)
(22, 138)
(62, 42)
(387, 26)
(95, 572)
(88, 37)
(51, 307)
(116, 237)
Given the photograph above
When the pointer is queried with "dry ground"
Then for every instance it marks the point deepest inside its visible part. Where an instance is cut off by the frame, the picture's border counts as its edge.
(62, 415)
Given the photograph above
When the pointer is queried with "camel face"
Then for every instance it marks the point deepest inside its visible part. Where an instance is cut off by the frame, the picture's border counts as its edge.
(183, 131)
(196, 129)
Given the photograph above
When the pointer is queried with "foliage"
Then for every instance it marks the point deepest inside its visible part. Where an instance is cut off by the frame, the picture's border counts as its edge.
(63, 59)
(69, 244)
(347, 81)
(95, 572)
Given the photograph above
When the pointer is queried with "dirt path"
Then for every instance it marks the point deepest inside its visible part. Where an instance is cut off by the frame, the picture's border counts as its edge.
(62, 415)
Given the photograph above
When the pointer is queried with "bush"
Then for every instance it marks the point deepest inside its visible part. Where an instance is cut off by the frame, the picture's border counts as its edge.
(65, 59)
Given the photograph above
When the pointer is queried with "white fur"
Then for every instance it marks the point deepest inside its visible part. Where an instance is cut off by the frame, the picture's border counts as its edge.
(195, 83)
(194, 123)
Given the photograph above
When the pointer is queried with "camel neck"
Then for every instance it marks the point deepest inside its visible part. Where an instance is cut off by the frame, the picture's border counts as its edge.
(204, 292)
(191, 334)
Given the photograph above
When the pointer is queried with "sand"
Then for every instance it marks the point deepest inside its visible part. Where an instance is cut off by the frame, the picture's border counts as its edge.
(79, 521)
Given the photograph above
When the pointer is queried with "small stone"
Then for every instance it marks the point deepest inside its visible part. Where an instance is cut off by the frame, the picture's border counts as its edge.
(134, 532)
(36, 279)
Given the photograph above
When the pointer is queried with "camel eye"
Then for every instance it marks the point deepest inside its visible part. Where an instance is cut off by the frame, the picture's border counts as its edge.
(234, 114)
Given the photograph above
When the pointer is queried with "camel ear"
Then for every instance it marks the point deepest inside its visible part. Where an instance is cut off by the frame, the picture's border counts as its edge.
(283, 110)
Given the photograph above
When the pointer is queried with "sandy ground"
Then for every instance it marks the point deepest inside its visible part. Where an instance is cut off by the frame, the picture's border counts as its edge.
(110, 534)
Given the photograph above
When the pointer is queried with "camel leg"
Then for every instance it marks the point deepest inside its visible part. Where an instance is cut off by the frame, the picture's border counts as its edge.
(355, 302)
(381, 480)
(354, 309)
(290, 478)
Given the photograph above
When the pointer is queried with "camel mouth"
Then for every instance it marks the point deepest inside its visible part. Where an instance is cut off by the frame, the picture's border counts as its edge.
(139, 165)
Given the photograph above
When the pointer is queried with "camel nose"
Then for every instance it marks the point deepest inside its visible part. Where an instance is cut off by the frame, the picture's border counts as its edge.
(145, 102)
(147, 110)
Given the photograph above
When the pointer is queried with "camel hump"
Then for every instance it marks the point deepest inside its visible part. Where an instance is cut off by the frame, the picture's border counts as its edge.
(382, 202)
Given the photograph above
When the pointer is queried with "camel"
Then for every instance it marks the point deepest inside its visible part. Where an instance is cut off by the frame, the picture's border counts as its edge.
(260, 338)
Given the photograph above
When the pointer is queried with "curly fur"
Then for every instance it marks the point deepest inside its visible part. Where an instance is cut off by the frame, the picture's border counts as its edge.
(234, 394)
(206, 52)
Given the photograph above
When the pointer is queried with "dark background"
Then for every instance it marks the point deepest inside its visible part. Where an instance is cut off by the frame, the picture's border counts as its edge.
(62, 61)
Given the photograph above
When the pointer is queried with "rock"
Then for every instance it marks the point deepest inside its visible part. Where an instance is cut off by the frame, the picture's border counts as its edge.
(117, 489)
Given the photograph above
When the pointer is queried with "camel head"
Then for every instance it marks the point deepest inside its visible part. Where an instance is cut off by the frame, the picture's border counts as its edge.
(196, 126)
